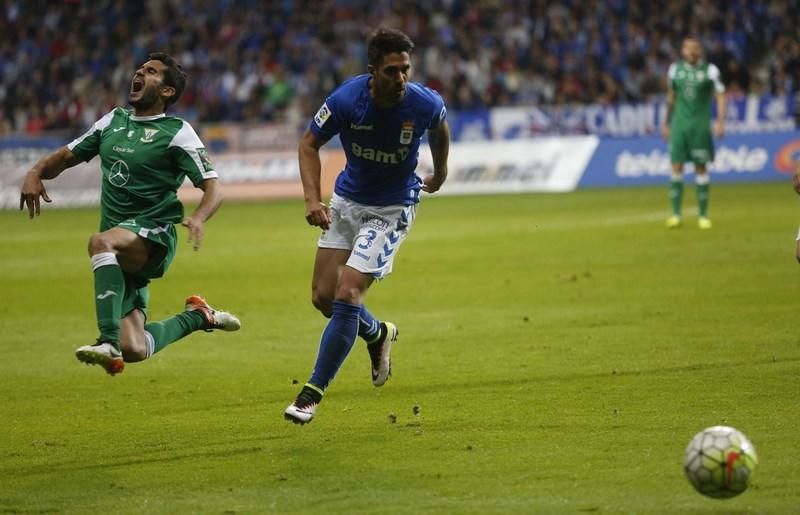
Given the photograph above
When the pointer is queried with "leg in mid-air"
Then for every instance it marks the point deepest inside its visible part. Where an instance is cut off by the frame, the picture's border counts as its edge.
(121, 303)
(675, 195)
(113, 253)
(702, 182)
(140, 340)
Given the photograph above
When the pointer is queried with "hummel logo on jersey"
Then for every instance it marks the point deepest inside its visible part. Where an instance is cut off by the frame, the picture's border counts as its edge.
(356, 127)
(148, 135)
(105, 295)
(118, 129)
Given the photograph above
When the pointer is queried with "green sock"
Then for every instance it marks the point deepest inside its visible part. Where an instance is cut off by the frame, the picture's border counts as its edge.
(174, 328)
(702, 198)
(109, 288)
(676, 196)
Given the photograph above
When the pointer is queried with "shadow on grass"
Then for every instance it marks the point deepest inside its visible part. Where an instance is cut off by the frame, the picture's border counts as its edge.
(140, 458)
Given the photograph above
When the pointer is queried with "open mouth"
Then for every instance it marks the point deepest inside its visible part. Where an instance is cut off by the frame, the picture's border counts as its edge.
(137, 85)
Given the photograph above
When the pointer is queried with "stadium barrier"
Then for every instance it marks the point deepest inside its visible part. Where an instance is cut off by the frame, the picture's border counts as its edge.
(544, 164)
(251, 166)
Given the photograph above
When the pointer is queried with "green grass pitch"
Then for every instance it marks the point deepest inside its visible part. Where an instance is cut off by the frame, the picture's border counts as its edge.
(557, 354)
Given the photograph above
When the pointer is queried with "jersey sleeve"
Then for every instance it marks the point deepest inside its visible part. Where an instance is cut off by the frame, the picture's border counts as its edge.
(439, 111)
(191, 156)
(715, 76)
(328, 121)
(87, 146)
(673, 69)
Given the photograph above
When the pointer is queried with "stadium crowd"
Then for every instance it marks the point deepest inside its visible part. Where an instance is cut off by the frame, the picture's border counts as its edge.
(64, 64)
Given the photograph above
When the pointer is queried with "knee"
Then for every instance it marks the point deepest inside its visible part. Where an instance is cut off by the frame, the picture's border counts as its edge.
(133, 353)
(133, 347)
(98, 243)
(351, 295)
(323, 303)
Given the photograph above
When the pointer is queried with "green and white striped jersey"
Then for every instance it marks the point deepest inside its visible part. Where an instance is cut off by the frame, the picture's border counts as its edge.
(144, 160)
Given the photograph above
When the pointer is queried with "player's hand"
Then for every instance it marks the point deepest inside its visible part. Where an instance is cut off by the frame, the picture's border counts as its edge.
(195, 231)
(719, 129)
(665, 132)
(32, 190)
(431, 183)
(318, 215)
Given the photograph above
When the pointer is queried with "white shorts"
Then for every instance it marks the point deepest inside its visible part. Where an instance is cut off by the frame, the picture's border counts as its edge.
(372, 234)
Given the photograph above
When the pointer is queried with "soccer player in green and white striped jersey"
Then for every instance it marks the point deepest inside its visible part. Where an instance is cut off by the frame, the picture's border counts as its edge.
(691, 85)
(144, 157)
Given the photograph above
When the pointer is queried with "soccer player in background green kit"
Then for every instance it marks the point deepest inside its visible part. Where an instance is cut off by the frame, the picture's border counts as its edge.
(691, 85)
(144, 157)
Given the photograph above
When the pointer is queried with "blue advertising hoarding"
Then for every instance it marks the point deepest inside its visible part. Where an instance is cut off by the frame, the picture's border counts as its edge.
(751, 114)
(738, 158)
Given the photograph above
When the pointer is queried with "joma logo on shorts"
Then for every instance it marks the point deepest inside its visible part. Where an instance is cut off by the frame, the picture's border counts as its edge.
(379, 156)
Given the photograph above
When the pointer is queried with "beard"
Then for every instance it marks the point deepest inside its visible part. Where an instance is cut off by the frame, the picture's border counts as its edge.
(147, 100)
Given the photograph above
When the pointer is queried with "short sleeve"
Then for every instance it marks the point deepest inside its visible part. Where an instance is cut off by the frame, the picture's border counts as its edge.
(673, 69)
(86, 146)
(191, 155)
(439, 112)
(715, 76)
(328, 121)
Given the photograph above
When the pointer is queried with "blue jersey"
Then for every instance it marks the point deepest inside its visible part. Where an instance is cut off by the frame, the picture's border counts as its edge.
(381, 145)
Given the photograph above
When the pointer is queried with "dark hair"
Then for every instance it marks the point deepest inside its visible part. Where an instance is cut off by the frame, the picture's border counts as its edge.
(386, 41)
(174, 76)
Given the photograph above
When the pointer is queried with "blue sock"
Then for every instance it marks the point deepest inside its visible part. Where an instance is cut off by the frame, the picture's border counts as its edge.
(369, 327)
(337, 340)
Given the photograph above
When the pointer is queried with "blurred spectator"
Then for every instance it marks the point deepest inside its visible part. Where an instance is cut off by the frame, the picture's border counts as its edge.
(64, 64)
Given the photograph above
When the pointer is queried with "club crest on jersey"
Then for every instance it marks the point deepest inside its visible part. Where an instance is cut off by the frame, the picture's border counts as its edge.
(322, 115)
(148, 135)
(407, 132)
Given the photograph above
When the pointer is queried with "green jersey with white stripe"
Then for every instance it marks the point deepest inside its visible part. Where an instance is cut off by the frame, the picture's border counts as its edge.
(695, 87)
(144, 160)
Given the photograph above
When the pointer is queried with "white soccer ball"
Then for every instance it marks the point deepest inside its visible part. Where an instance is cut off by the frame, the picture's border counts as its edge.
(720, 461)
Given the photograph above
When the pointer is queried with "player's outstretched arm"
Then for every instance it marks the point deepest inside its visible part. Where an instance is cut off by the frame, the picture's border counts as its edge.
(209, 203)
(439, 141)
(48, 167)
(317, 213)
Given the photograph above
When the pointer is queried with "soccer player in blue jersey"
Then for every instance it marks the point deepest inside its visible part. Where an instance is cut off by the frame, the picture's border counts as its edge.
(380, 118)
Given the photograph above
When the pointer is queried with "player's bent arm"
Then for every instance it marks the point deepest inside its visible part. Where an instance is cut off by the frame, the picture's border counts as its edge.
(310, 167)
(48, 167)
(51, 165)
(209, 203)
(439, 141)
(317, 213)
